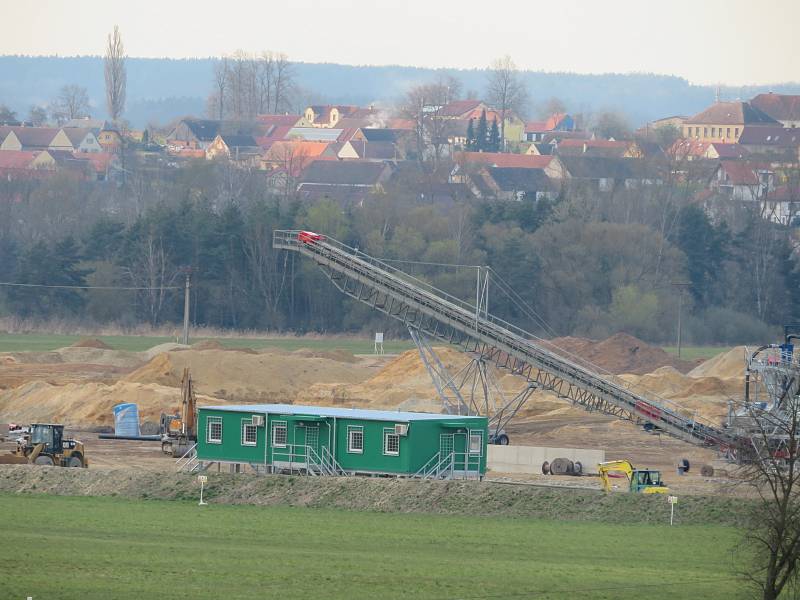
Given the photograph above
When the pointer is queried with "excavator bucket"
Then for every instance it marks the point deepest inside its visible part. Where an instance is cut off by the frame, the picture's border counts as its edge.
(13, 458)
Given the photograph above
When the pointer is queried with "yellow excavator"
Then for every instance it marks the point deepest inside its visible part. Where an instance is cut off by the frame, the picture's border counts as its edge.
(178, 431)
(641, 481)
(45, 445)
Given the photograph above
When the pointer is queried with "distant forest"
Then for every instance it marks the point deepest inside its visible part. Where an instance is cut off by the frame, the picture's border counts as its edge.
(160, 90)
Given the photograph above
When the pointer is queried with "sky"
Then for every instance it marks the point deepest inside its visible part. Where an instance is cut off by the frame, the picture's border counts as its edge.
(727, 42)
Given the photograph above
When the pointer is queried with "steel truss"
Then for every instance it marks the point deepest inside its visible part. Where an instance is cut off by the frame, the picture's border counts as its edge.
(432, 313)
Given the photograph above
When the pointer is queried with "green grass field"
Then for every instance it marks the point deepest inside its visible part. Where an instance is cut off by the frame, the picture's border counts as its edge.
(697, 352)
(82, 547)
(42, 342)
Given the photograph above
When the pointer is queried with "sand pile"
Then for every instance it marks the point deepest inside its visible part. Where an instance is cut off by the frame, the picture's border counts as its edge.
(91, 343)
(245, 377)
(621, 353)
(88, 404)
(403, 380)
(725, 365)
(208, 345)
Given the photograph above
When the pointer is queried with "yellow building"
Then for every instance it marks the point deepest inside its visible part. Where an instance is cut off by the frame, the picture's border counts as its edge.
(724, 122)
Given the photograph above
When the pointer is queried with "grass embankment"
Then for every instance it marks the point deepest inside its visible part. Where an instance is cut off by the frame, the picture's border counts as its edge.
(41, 342)
(85, 547)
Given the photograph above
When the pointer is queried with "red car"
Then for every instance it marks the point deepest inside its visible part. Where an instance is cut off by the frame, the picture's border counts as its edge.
(309, 237)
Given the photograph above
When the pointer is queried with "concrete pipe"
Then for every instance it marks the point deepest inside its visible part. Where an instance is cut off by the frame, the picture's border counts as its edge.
(545, 468)
(707, 471)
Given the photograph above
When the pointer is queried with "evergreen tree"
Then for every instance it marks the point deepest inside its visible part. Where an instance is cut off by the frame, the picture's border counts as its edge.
(481, 136)
(471, 135)
(494, 137)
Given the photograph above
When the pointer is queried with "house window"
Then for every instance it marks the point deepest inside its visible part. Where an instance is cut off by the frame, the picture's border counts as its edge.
(249, 434)
(355, 439)
(736, 132)
(728, 132)
(476, 443)
(391, 442)
(214, 430)
(279, 434)
(705, 132)
(713, 132)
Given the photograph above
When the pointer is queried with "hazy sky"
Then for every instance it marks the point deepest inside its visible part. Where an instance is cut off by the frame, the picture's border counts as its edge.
(732, 42)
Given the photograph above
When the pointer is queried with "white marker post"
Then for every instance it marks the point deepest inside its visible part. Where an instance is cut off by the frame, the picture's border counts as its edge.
(202, 479)
(673, 500)
(379, 343)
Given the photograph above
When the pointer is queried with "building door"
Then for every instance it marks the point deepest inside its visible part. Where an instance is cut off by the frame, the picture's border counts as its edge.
(446, 442)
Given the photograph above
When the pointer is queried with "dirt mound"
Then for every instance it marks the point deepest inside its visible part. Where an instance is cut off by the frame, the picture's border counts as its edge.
(161, 348)
(621, 353)
(245, 377)
(208, 345)
(337, 354)
(89, 403)
(724, 365)
(91, 343)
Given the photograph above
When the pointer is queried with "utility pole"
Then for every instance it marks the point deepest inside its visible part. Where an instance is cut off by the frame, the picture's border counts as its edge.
(186, 293)
(681, 285)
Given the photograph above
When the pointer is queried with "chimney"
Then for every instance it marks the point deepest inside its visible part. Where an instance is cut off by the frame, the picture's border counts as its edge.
(585, 147)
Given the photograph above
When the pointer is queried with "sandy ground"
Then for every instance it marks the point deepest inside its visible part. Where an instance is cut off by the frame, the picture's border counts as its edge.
(80, 385)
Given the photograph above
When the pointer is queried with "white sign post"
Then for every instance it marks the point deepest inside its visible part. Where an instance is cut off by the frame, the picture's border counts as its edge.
(202, 479)
(673, 500)
(379, 343)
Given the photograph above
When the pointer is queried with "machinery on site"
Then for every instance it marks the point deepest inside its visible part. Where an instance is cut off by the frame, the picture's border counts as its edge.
(179, 431)
(641, 481)
(432, 313)
(772, 385)
(46, 445)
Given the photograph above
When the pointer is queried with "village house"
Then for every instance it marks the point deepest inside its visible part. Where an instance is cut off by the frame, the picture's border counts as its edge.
(784, 108)
(744, 180)
(293, 156)
(74, 139)
(605, 174)
(27, 138)
(536, 130)
(469, 162)
(725, 122)
(510, 183)
(772, 140)
(347, 181)
(685, 149)
(240, 148)
(362, 149)
(327, 115)
(607, 148)
(196, 134)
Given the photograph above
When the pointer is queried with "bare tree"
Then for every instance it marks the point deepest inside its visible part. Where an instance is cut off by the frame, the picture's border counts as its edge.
(37, 115)
(265, 77)
(424, 104)
(72, 103)
(284, 82)
(221, 75)
(774, 472)
(116, 75)
(505, 90)
(152, 273)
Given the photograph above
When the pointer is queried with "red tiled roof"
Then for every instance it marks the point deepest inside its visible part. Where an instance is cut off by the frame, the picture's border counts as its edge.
(16, 159)
(783, 107)
(547, 125)
(404, 124)
(278, 120)
(732, 113)
(499, 159)
(99, 161)
(777, 136)
(458, 108)
(33, 137)
(740, 173)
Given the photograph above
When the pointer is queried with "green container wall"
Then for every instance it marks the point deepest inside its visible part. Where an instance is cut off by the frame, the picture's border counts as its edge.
(416, 449)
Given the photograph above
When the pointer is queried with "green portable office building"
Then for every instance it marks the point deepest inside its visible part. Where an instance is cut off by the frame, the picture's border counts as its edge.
(340, 441)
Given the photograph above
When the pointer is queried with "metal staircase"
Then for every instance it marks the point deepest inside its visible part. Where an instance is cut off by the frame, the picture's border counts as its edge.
(438, 315)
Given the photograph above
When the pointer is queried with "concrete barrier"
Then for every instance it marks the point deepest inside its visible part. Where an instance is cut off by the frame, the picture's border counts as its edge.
(529, 459)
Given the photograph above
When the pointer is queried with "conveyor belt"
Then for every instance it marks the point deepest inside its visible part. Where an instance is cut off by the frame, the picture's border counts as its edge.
(449, 319)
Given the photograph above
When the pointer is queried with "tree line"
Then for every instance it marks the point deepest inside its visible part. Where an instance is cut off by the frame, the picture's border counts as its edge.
(588, 264)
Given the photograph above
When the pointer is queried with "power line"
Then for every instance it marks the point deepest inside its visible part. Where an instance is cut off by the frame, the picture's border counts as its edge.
(84, 287)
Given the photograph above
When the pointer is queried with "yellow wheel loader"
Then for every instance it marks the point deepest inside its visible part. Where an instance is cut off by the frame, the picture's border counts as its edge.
(45, 445)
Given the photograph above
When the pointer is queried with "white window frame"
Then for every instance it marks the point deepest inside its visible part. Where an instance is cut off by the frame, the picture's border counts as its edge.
(477, 433)
(245, 424)
(209, 422)
(389, 433)
(276, 425)
(351, 429)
